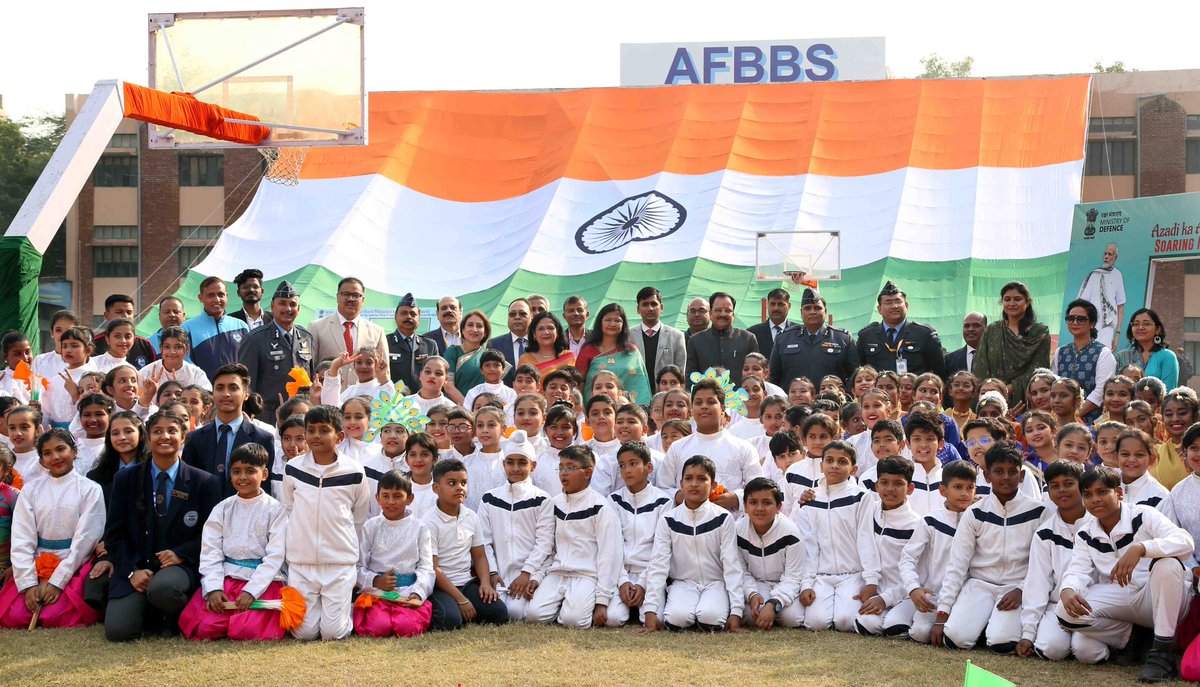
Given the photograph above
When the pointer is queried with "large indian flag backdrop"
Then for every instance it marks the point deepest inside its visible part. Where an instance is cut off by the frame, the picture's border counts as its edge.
(948, 188)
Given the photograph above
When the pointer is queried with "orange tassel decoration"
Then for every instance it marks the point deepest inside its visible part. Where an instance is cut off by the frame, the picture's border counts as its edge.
(24, 373)
(45, 565)
(301, 378)
(294, 607)
(716, 492)
(18, 482)
(366, 600)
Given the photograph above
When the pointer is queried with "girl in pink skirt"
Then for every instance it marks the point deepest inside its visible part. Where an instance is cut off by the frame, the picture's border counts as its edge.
(58, 520)
(395, 567)
(241, 555)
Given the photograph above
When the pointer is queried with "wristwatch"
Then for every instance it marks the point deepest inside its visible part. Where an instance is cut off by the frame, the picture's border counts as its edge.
(776, 604)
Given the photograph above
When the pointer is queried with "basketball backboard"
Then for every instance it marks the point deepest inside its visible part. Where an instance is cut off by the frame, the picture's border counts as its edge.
(298, 71)
(797, 256)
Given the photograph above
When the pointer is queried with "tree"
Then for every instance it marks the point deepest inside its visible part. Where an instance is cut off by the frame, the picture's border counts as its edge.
(938, 68)
(1114, 68)
(25, 147)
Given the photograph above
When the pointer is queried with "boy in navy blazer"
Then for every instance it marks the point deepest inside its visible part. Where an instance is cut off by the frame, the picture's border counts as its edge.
(155, 520)
(208, 447)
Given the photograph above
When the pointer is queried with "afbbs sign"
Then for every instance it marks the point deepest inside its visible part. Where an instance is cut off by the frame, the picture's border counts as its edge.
(786, 61)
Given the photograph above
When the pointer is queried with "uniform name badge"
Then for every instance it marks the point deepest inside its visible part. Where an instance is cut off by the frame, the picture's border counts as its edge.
(901, 365)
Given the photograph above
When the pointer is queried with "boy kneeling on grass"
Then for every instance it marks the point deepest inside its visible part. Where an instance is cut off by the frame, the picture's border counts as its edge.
(696, 547)
(1126, 570)
(773, 557)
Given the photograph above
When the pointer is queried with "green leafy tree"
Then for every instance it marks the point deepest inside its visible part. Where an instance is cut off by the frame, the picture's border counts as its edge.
(25, 147)
(937, 67)
(1114, 68)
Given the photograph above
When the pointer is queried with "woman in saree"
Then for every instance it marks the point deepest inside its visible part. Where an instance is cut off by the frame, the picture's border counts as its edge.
(1015, 345)
(608, 348)
(548, 349)
(463, 359)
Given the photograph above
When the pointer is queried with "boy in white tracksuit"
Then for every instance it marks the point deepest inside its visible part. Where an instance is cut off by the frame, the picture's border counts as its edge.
(736, 460)
(802, 476)
(695, 546)
(924, 558)
(840, 560)
(989, 558)
(328, 500)
(1049, 555)
(924, 436)
(1126, 570)
(773, 558)
(889, 611)
(639, 505)
(518, 526)
(577, 583)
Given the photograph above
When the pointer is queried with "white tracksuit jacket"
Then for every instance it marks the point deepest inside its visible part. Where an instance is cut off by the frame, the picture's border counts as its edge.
(639, 515)
(1096, 552)
(923, 561)
(587, 541)
(837, 533)
(518, 529)
(1049, 555)
(699, 546)
(776, 559)
(327, 506)
(893, 530)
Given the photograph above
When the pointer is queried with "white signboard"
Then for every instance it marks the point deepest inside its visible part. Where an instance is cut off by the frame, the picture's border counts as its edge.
(729, 62)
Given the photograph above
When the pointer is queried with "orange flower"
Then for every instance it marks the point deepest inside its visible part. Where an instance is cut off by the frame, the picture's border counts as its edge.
(301, 380)
(18, 482)
(717, 491)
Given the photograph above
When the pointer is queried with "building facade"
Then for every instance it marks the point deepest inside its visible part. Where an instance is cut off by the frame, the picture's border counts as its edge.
(1144, 140)
(143, 218)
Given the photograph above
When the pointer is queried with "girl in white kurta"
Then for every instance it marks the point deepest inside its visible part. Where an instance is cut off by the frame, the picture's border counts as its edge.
(58, 516)
(241, 557)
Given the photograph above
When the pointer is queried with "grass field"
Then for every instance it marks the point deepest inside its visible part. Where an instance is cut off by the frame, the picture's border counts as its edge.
(521, 655)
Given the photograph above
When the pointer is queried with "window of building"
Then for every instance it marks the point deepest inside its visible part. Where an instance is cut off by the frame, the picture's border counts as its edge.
(116, 171)
(1193, 122)
(115, 261)
(190, 256)
(201, 170)
(123, 141)
(114, 233)
(1193, 156)
(1110, 158)
(1191, 267)
(1110, 125)
(1191, 349)
(200, 233)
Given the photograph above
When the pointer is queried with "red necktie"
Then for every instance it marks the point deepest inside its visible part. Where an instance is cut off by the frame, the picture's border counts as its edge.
(348, 337)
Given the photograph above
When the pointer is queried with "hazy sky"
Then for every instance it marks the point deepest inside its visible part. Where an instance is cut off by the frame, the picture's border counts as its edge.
(65, 47)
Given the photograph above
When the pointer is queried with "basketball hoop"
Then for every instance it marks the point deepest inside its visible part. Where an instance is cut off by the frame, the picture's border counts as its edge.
(283, 164)
(795, 277)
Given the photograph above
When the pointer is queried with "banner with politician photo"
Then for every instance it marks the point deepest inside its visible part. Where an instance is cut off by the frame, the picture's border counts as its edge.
(1113, 247)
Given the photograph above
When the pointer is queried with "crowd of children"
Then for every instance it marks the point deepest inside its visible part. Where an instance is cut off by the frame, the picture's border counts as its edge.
(155, 501)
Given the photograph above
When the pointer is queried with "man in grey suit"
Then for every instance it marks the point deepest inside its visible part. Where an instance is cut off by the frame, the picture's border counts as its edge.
(779, 304)
(659, 344)
(271, 351)
(722, 344)
(346, 331)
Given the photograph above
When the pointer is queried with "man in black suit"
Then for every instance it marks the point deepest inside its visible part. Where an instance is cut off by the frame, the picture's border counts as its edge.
(779, 304)
(897, 343)
(513, 344)
(271, 351)
(722, 344)
(972, 331)
(408, 352)
(208, 447)
(155, 520)
(449, 313)
(250, 290)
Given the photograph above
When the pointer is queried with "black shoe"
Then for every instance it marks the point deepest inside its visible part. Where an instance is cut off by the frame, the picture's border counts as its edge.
(1159, 667)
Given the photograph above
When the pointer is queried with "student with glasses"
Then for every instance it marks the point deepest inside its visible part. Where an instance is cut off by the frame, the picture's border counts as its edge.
(1085, 359)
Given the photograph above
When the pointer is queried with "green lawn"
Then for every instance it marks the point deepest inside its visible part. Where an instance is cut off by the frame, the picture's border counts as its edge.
(521, 655)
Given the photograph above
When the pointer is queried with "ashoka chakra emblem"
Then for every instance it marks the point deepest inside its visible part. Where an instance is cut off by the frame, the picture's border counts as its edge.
(643, 217)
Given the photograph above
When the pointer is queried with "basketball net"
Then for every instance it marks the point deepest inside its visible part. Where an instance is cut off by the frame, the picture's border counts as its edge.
(283, 164)
(794, 279)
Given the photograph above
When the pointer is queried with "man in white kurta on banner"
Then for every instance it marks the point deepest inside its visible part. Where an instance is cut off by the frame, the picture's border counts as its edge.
(1104, 287)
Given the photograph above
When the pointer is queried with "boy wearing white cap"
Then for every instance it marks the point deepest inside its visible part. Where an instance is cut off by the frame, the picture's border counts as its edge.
(518, 526)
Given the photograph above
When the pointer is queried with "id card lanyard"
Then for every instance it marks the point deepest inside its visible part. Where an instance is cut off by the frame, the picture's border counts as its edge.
(901, 363)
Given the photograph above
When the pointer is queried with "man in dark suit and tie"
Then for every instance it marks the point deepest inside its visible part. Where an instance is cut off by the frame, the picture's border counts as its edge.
(449, 314)
(972, 331)
(779, 304)
(208, 447)
(516, 341)
(897, 343)
(155, 520)
(271, 351)
(408, 352)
